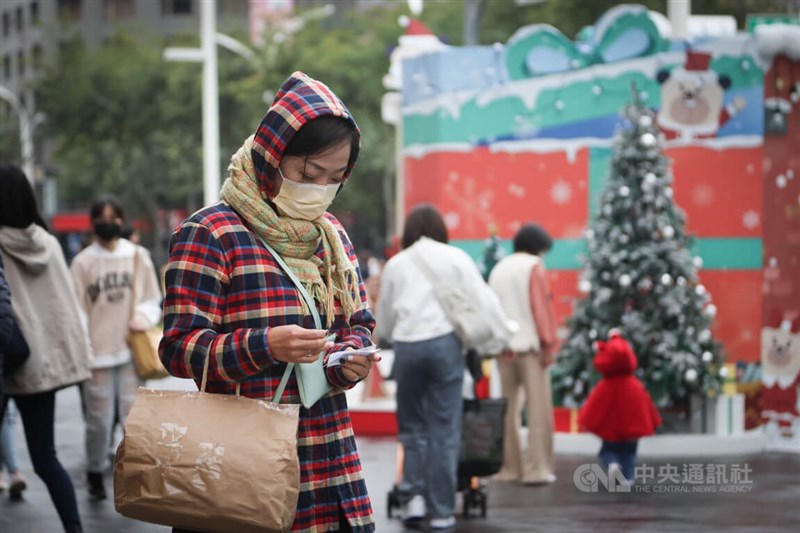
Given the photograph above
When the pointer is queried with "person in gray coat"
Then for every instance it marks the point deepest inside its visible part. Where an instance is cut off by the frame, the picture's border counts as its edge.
(47, 313)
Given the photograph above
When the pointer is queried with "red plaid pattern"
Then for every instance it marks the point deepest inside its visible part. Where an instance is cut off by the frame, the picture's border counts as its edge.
(224, 292)
(299, 100)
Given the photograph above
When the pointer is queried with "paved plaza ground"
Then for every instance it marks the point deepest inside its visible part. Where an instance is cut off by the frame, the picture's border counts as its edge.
(765, 499)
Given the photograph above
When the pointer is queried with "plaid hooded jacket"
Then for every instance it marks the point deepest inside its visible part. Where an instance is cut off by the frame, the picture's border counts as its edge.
(224, 292)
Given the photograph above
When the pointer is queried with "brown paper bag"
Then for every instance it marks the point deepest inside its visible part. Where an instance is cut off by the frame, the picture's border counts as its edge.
(208, 462)
(144, 352)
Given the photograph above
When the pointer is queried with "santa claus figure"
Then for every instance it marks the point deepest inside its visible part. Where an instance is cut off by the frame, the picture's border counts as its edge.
(780, 361)
(692, 99)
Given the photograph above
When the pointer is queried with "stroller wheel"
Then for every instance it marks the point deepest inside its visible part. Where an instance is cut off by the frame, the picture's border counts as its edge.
(392, 501)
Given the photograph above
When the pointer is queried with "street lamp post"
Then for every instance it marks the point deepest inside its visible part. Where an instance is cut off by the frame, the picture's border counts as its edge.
(206, 54)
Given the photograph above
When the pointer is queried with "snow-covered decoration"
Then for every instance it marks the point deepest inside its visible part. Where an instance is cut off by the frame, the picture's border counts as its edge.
(417, 40)
(778, 39)
(698, 25)
(624, 32)
(541, 49)
(541, 145)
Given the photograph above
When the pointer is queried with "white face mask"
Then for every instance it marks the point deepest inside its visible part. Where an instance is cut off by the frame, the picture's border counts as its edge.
(304, 201)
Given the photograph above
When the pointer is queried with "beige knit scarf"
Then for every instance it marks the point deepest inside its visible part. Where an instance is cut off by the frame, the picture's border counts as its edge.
(332, 278)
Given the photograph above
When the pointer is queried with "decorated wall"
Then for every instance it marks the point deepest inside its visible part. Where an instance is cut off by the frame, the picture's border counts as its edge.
(500, 135)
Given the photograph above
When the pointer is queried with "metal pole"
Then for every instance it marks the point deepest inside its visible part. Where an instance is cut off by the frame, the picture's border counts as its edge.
(25, 131)
(678, 12)
(211, 166)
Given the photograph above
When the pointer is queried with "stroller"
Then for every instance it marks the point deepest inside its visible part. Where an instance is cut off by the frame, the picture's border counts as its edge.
(481, 452)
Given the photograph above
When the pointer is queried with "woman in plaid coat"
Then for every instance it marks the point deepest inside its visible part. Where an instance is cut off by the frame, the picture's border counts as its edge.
(229, 300)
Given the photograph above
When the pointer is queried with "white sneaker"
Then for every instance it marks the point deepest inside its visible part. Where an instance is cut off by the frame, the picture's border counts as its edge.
(615, 473)
(415, 509)
(443, 523)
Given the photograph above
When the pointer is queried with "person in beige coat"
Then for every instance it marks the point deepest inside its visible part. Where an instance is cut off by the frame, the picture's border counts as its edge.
(47, 312)
(520, 282)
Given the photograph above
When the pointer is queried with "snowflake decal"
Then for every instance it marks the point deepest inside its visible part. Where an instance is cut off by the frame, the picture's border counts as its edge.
(516, 190)
(474, 205)
(561, 192)
(703, 194)
(751, 219)
(452, 220)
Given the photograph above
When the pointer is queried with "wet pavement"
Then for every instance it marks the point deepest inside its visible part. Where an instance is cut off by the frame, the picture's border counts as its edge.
(758, 493)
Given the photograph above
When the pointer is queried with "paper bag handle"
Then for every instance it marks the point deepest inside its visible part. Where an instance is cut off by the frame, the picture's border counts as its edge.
(205, 378)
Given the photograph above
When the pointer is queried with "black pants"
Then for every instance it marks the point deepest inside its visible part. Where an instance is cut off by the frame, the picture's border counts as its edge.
(38, 419)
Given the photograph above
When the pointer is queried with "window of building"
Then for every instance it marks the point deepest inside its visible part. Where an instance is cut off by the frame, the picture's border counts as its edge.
(7, 67)
(36, 56)
(35, 13)
(20, 22)
(6, 22)
(176, 7)
(21, 63)
(114, 9)
(71, 9)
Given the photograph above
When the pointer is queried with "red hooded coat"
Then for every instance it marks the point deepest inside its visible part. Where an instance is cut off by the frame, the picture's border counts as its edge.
(619, 408)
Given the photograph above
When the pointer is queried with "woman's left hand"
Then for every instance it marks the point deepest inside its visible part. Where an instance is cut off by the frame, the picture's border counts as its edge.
(357, 367)
(138, 323)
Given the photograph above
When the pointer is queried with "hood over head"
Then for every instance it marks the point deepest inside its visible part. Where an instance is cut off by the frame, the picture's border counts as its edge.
(614, 357)
(299, 100)
(27, 246)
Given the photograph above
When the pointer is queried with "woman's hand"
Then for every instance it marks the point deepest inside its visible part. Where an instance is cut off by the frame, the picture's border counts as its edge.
(138, 323)
(293, 344)
(357, 367)
(508, 356)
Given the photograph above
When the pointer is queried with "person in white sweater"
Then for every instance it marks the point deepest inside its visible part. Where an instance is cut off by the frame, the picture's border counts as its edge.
(520, 282)
(428, 366)
(103, 275)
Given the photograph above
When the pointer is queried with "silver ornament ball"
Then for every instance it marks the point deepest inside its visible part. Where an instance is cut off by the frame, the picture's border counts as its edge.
(648, 139)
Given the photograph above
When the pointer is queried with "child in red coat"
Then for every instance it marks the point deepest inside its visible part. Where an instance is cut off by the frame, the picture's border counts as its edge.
(619, 409)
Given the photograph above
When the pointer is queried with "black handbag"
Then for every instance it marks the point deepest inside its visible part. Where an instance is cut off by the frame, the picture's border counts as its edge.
(15, 352)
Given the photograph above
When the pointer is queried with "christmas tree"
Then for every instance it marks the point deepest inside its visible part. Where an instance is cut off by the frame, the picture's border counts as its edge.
(640, 277)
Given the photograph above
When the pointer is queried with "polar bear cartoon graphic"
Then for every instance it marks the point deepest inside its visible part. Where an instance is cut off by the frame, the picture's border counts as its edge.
(692, 99)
